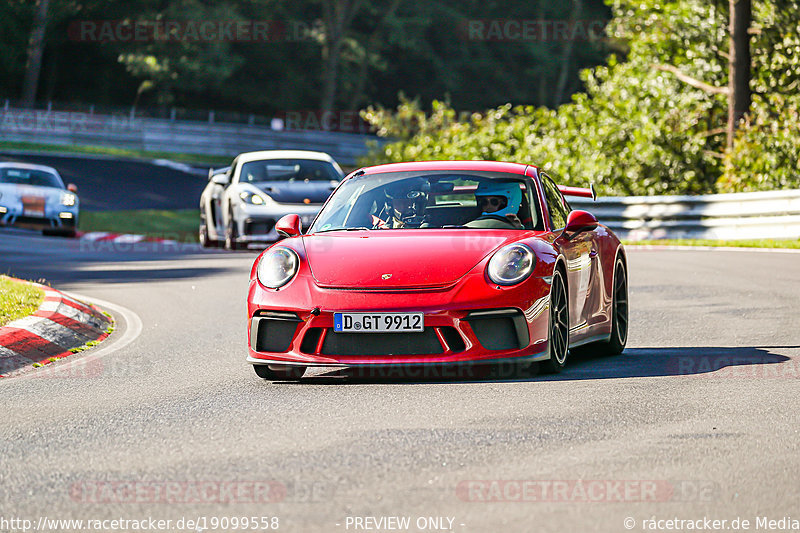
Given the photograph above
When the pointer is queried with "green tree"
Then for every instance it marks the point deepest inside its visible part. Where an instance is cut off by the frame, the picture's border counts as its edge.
(652, 122)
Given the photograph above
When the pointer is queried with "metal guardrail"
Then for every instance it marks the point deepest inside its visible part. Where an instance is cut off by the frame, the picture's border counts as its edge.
(753, 215)
(164, 135)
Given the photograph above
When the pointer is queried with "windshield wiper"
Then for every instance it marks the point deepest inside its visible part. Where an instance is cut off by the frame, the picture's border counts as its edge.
(359, 228)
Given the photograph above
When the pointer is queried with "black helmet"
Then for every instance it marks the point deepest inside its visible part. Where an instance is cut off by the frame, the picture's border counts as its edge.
(408, 199)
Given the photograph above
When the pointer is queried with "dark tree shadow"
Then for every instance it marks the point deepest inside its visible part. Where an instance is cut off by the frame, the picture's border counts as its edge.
(734, 362)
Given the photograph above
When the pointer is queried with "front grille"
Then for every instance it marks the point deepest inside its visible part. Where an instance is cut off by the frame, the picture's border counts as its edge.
(453, 339)
(258, 227)
(421, 343)
(500, 329)
(310, 340)
(270, 334)
(38, 221)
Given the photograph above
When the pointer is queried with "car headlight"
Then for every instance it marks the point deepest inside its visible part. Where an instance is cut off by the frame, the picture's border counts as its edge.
(252, 198)
(511, 264)
(68, 200)
(277, 267)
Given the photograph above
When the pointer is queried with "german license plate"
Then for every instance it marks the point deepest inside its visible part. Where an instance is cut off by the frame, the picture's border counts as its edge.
(33, 206)
(377, 322)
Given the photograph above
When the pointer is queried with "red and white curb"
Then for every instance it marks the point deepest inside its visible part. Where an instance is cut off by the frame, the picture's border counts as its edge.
(60, 325)
(120, 238)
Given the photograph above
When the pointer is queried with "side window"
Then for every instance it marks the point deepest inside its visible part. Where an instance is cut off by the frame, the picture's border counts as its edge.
(555, 203)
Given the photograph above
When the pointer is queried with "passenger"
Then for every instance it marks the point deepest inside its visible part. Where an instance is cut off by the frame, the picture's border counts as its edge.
(499, 203)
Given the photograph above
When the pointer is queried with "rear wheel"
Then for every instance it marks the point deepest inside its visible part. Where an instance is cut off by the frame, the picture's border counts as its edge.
(619, 327)
(285, 373)
(205, 241)
(558, 337)
(619, 317)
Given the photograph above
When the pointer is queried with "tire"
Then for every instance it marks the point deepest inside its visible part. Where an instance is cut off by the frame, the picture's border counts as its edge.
(286, 373)
(231, 234)
(619, 313)
(619, 317)
(558, 334)
(68, 233)
(205, 242)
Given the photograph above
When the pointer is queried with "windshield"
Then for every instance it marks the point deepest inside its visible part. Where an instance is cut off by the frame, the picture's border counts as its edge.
(441, 199)
(290, 170)
(24, 176)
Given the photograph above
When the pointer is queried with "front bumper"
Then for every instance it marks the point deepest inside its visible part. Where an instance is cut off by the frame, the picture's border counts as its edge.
(257, 223)
(54, 217)
(470, 322)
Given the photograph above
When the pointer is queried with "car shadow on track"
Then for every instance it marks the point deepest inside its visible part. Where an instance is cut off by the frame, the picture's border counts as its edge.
(713, 362)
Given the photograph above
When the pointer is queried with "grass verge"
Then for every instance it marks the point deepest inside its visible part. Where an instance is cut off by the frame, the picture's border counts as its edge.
(179, 225)
(760, 243)
(18, 300)
(117, 152)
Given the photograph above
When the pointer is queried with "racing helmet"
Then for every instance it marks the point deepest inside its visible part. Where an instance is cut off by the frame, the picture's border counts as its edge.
(510, 190)
(408, 198)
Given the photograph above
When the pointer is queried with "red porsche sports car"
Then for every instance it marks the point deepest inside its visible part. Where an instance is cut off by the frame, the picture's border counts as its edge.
(438, 263)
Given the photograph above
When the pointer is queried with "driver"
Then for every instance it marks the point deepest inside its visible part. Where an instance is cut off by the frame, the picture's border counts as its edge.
(499, 203)
(405, 204)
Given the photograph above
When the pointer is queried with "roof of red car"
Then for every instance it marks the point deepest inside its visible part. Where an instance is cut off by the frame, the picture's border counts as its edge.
(485, 166)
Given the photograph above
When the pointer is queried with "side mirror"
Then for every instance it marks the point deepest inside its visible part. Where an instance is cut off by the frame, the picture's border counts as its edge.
(289, 226)
(580, 221)
(220, 179)
(72, 188)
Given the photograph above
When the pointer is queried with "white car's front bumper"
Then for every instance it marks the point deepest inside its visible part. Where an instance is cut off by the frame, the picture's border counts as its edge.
(256, 223)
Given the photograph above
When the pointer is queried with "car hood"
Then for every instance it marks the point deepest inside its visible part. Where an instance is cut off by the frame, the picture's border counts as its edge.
(297, 192)
(410, 258)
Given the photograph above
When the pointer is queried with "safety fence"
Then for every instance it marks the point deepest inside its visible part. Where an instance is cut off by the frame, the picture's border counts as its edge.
(753, 215)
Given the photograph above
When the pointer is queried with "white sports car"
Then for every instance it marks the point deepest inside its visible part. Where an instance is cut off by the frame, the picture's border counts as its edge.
(241, 203)
(34, 196)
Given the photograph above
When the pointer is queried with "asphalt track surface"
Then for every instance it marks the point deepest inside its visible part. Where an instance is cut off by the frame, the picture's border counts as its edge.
(703, 405)
(113, 184)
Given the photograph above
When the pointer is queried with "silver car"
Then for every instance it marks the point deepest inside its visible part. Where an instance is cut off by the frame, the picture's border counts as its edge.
(34, 196)
(241, 203)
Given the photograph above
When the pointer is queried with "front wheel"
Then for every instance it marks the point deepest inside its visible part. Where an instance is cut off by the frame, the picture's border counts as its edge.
(231, 234)
(285, 373)
(558, 338)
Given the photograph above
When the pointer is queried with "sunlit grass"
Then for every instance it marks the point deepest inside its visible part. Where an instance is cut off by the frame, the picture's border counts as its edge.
(18, 300)
(117, 152)
(179, 225)
(754, 243)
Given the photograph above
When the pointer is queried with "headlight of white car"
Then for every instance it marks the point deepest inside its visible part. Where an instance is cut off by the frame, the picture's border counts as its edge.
(68, 200)
(511, 264)
(252, 198)
(277, 267)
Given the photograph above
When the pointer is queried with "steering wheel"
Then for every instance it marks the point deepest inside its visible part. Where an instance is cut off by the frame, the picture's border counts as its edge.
(496, 217)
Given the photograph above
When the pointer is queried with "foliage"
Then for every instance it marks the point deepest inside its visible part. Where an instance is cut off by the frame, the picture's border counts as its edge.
(419, 47)
(637, 129)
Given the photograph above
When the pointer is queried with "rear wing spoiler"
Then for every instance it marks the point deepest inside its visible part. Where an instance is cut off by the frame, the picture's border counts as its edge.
(579, 191)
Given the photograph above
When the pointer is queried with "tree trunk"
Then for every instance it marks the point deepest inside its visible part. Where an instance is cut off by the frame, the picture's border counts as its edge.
(739, 65)
(338, 16)
(371, 44)
(35, 50)
(566, 54)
